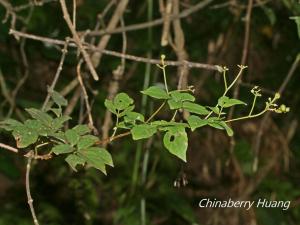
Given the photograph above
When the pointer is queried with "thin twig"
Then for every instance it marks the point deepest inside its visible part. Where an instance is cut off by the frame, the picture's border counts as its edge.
(10, 148)
(57, 74)
(30, 4)
(96, 57)
(118, 54)
(30, 155)
(86, 98)
(156, 22)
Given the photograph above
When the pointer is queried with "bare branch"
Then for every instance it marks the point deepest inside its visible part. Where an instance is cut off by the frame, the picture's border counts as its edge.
(156, 22)
(118, 54)
(77, 40)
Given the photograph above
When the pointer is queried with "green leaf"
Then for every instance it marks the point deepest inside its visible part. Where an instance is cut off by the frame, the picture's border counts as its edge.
(87, 141)
(215, 123)
(164, 123)
(24, 136)
(122, 101)
(143, 131)
(110, 106)
(297, 21)
(81, 129)
(176, 141)
(40, 115)
(97, 158)
(133, 116)
(62, 149)
(103, 154)
(125, 111)
(219, 124)
(38, 127)
(196, 122)
(215, 109)
(156, 92)
(227, 128)
(74, 160)
(10, 124)
(226, 102)
(59, 99)
(58, 135)
(270, 14)
(72, 137)
(58, 122)
(195, 108)
(56, 111)
(174, 105)
(179, 96)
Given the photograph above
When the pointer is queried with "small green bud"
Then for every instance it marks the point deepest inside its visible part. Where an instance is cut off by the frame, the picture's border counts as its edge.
(277, 95)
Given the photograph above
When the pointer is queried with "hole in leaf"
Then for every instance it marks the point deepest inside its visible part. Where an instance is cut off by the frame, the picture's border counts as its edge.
(172, 138)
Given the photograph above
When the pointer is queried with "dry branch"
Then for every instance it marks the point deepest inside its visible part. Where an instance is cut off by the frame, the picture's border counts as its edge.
(77, 40)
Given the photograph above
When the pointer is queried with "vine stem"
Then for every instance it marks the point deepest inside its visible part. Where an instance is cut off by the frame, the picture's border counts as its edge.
(253, 104)
(248, 117)
(29, 198)
(155, 113)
